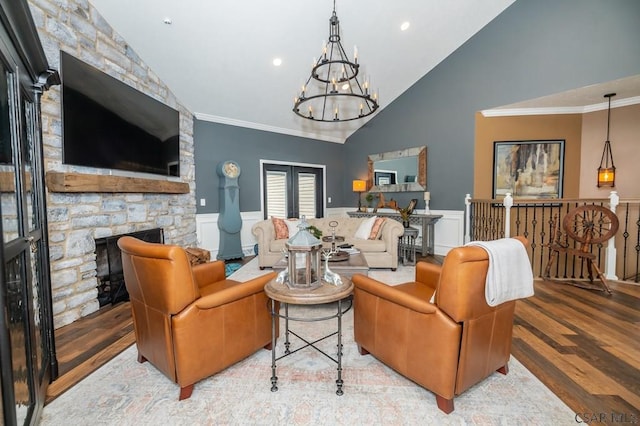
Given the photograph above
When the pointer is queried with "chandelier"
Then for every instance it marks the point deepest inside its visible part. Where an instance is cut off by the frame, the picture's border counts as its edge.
(607, 170)
(333, 92)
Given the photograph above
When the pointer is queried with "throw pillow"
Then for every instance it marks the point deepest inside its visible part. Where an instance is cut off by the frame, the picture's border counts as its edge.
(376, 229)
(280, 227)
(292, 225)
(364, 230)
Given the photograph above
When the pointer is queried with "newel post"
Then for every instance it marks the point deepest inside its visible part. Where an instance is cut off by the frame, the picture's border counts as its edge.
(507, 202)
(467, 218)
(610, 262)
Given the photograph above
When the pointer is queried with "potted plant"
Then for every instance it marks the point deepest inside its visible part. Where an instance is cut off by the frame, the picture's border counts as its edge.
(369, 198)
(405, 212)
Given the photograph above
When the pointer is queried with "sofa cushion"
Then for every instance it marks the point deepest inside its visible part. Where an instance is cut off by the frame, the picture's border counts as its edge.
(368, 246)
(376, 229)
(364, 230)
(280, 228)
(292, 224)
(277, 245)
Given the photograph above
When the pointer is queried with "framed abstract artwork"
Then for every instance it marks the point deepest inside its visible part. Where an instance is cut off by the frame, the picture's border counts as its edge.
(528, 169)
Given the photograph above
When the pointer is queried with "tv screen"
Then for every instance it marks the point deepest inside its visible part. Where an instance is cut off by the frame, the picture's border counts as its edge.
(109, 124)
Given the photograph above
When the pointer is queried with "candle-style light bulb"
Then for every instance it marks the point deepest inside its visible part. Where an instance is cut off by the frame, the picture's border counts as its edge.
(355, 54)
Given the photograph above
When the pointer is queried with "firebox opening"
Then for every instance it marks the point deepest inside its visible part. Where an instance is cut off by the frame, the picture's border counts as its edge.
(111, 286)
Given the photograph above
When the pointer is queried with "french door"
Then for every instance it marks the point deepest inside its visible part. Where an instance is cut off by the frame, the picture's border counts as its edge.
(292, 191)
(27, 355)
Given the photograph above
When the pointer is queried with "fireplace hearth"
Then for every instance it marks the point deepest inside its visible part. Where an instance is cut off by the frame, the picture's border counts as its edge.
(111, 285)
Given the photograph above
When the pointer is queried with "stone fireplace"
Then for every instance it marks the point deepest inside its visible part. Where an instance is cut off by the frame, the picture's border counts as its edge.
(122, 203)
(111, 286)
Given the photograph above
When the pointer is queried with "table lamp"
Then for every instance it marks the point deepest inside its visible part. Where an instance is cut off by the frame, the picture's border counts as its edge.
(359, 186)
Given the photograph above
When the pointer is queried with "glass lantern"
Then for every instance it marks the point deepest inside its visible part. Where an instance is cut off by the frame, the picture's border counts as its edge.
(305, 268)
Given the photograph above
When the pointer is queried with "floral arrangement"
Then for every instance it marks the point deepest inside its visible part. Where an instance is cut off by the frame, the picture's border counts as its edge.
(405, 212)
(314, 231)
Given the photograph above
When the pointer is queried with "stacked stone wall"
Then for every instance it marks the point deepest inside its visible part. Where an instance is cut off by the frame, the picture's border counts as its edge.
(76, 220)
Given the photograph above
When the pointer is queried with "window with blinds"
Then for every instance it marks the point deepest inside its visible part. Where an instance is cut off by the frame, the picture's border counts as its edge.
(276, 194)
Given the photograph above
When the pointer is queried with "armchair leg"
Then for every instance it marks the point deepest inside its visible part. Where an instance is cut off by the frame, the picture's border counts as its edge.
(444, 404)
(504, 369)
(362, 350)
(185, 392)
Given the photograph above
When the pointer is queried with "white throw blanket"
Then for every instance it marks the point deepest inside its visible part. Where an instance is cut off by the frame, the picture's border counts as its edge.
(509, 276)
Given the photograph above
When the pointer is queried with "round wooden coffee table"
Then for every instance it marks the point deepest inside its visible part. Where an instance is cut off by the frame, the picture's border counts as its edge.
(326, 293)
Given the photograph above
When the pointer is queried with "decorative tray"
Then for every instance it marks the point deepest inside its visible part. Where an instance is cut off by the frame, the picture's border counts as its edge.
(329, 238)
(339, 256)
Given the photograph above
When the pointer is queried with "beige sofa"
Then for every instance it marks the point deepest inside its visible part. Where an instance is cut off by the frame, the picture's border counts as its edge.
(379, 253)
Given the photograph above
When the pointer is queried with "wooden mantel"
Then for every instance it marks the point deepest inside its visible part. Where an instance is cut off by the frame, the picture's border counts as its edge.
(80, 182)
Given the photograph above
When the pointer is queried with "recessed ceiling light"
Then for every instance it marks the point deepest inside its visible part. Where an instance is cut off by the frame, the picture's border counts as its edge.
(405, 26)
(277, 62)
(167, 21)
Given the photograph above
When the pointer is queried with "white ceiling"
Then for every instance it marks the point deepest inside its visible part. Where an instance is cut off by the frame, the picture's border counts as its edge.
(216, 55)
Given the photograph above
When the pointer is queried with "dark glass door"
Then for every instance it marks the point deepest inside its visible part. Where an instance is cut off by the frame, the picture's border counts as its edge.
(26, 348)
(292, 191)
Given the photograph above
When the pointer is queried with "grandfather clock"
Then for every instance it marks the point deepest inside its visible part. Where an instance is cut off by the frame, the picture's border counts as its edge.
(229, 221)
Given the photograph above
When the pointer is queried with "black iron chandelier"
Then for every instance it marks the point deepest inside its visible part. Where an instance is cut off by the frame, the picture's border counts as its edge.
(333, 92)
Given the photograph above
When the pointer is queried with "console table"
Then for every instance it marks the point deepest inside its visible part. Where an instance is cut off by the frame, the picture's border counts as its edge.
(425, 221)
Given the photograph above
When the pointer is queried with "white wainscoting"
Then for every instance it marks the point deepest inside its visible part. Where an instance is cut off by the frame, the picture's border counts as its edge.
(449, 230)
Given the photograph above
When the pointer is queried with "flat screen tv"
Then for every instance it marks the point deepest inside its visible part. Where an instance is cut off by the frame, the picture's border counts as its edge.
(109, 124)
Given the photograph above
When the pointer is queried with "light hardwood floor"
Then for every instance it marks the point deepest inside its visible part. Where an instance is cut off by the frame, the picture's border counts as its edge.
(582, 344)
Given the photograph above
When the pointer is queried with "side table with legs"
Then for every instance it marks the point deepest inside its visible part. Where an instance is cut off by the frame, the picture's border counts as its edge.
(407, 246)
(327, 293)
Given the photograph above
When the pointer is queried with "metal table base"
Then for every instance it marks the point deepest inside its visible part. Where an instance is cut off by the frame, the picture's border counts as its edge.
(275, 316)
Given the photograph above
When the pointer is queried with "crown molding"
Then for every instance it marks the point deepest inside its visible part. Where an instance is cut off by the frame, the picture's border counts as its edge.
(506, 112)
(264, 127)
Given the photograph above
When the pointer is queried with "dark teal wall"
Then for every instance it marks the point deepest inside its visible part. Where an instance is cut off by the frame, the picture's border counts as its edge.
(215, 143)
(534, 48)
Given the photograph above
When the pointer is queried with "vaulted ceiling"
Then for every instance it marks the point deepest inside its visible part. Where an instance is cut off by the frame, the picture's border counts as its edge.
(217, 56)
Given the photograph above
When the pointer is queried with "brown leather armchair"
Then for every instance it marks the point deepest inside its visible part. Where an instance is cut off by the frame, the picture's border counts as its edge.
(190, 321)
(446, 346)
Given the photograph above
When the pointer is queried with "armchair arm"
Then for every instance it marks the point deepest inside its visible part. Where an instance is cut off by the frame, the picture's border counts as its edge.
(235, 292)
(391, 231)
(263, 231)
(384, 291)
(208, 273)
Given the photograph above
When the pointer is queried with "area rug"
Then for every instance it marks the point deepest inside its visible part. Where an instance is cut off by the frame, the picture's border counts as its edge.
(124, 392)
(230, 268)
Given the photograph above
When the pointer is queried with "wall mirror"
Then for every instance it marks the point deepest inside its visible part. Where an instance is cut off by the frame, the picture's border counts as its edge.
(399, 171)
